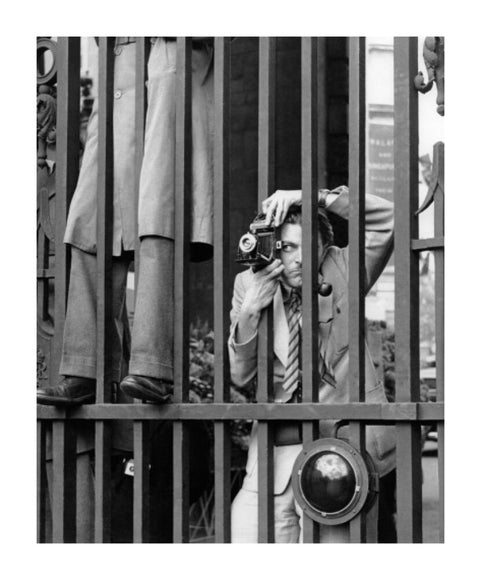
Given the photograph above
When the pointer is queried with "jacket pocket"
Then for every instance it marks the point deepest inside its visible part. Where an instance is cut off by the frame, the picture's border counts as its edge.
(340, 325)
(383, 440)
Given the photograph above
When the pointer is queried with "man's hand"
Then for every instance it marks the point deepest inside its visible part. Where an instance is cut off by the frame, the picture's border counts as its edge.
(264, 285)
(277, 205)
(258, 296)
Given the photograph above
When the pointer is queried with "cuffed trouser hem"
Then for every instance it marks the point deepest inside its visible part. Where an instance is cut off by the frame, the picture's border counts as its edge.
(79, 350)
(142, 367)
(77, 366)
(152, 335)
(72, 366)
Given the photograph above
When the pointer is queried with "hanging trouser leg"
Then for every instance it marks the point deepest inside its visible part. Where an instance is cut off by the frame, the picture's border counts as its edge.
(79, 355)
(152, 338)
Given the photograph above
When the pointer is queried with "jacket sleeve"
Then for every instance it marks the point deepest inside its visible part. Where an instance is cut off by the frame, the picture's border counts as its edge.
(378, 232)
(243, 356)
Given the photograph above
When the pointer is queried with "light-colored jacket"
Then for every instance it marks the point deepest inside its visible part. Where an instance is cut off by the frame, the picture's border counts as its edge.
(157, 181)
(332, 343)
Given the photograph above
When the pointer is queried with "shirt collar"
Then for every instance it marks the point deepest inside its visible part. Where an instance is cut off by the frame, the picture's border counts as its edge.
(287, 291)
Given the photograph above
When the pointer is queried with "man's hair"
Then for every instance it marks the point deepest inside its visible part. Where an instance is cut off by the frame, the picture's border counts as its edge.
(294, 216)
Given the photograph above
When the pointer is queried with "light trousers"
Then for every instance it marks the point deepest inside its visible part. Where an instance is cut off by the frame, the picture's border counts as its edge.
(288, 519)
(152, 337)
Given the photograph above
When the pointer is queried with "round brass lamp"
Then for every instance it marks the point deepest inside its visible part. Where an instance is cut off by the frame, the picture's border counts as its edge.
(333, 482)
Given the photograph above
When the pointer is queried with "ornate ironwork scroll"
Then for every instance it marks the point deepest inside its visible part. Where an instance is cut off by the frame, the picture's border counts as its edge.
(436, 180)
(433, 55)
(46, 139)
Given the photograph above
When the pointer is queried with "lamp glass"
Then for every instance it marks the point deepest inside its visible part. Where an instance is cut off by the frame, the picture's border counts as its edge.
(328, 482)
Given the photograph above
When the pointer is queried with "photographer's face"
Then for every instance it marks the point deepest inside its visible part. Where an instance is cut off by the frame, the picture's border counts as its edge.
(291, 254)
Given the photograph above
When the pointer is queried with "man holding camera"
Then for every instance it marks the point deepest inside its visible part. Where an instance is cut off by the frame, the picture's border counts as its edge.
(280, 283)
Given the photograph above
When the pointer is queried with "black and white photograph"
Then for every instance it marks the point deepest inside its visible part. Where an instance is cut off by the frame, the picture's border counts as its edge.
(240, 307)
(235, 349)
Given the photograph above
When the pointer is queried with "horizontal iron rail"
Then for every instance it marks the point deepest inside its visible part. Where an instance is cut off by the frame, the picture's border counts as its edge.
(389, 412)
(428, 243)
(46, 273)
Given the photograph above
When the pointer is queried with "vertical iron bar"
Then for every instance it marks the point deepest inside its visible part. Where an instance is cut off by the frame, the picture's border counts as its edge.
(141, 482)
(441, 479)
(104, 284)
(266, 185)
(64, 487)
(66, 173)
(183, 188)
(43, 297)
(40, 62)
(309, 248)
(439, 229)
(409, 475)
(68, 131)
(142, 45)
(141, 479)
(221, 268)
(41, 480)
(356, 236)
(322, 112)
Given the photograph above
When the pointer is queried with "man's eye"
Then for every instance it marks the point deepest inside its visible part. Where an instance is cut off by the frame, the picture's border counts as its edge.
(286, 247)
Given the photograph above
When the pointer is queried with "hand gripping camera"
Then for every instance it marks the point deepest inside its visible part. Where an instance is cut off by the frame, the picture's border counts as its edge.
(260, 246)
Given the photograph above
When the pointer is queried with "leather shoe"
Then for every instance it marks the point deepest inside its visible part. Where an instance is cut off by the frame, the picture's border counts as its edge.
(147, 389)
(70, 391)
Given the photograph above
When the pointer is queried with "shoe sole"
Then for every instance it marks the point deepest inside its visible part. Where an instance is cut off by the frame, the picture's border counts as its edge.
(136, 391)
(59, 401)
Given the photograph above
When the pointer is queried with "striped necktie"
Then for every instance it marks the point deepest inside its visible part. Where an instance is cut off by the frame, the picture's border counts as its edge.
(292, 371)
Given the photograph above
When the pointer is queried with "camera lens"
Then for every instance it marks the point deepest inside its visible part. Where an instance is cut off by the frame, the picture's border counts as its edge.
(247, 243)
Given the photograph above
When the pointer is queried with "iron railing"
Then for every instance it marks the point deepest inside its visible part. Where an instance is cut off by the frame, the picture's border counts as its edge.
(407, 412)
